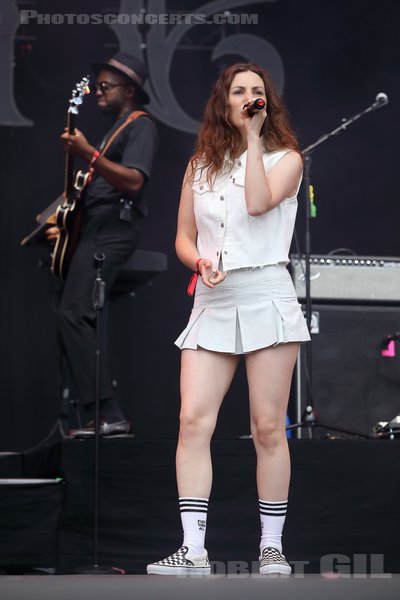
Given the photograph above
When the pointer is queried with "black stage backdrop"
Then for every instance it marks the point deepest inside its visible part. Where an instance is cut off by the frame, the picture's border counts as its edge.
(336, 57)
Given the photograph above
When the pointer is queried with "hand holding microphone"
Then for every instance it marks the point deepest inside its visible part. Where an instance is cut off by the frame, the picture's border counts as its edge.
(254, 124)
(254, 106)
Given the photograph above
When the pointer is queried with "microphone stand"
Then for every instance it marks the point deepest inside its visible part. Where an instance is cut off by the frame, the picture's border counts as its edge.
(98, 305)
(308, 418)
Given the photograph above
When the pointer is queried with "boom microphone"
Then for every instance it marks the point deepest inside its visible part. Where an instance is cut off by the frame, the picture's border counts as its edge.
(254, 106)
(382, 98)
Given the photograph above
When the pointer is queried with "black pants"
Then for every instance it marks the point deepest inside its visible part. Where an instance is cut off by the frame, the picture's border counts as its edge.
(102, 231)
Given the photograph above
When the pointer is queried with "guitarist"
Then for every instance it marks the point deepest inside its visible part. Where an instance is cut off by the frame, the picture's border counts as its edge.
(112, 206)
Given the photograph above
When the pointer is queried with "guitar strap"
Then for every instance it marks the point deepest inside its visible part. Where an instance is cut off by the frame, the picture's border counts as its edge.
(51, 219)
(134, 115)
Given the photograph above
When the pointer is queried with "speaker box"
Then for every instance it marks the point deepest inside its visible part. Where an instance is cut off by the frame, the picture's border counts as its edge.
(353, 385)
(30, 510)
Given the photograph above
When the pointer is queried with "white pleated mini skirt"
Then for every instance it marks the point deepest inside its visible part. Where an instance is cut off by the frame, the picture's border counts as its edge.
(251, 309)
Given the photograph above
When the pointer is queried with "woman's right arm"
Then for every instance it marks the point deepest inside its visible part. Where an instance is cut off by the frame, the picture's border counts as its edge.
(186, 237)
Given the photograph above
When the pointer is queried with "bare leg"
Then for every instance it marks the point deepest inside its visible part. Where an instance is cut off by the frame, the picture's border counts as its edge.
(205, 379)
(269, 374)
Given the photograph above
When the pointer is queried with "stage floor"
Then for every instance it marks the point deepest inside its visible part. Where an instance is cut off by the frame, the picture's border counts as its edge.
(307, 587)
(343, 516)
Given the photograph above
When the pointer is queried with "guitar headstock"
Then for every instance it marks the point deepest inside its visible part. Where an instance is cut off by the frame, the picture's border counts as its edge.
(80, 90)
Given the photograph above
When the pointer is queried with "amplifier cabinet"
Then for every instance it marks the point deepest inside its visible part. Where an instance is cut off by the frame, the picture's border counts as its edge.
(353, 385)
(355, 279)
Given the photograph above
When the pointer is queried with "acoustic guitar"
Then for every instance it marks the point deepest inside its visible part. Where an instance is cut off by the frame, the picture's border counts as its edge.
(68, 214)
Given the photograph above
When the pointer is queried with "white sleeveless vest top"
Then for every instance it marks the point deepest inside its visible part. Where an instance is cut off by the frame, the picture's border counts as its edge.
(227, 233)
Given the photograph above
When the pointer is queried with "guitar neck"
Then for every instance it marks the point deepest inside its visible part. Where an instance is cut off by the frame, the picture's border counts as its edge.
(69, 161)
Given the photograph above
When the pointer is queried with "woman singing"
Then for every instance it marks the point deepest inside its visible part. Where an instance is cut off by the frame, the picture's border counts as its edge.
(235, 224)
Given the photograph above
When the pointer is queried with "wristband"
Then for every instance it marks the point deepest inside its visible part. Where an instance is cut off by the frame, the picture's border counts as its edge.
(197, 264)
(95, 156)
(193, 280)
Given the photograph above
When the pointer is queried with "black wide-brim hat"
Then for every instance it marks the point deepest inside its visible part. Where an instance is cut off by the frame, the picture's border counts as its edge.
(129, 67)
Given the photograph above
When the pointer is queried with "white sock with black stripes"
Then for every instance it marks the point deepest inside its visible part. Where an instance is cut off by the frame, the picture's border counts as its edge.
(194, 522)
(272, 515)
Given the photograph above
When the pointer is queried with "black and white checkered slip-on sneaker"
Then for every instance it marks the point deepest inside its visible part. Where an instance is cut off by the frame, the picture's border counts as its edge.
(272, 561)
(178, 564)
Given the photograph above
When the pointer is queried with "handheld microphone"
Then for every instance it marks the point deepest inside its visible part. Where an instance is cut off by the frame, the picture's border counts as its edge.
(254, 106)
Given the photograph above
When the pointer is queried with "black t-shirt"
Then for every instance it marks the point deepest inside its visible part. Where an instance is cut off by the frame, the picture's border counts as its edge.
(134, 147)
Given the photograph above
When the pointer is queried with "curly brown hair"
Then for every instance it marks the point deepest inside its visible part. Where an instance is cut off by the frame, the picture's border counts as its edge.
(218, 136)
